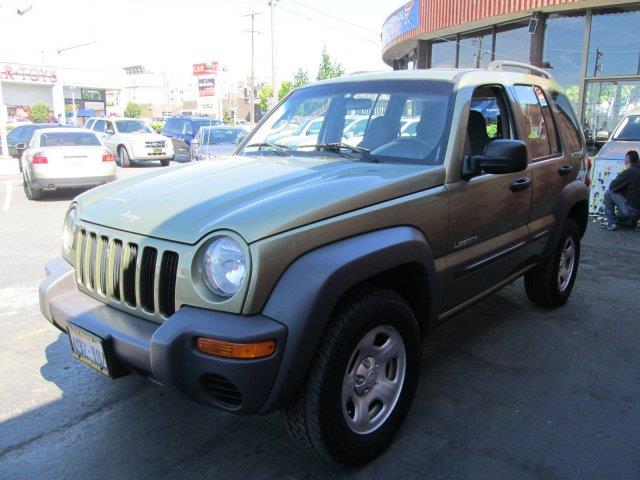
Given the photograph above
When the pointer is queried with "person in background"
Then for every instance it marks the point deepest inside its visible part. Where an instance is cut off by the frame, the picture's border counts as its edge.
(623, 193)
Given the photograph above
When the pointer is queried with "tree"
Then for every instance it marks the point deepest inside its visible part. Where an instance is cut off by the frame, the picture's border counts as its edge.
(300, 78)
(264, 95)
(328, 67)
(133, 110)
(228, 116)
(39, 112)
(285, 87)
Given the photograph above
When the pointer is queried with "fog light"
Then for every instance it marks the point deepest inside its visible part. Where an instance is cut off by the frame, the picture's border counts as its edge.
(221, 348)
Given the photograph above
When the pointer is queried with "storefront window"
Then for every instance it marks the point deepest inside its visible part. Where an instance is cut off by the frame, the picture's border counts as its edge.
(604, 106)
(443, 54)
(475, 51)
(614, 48)
(563, 51)
(513, 42)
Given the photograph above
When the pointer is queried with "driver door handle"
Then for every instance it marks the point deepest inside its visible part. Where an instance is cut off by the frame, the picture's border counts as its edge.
(520, 184)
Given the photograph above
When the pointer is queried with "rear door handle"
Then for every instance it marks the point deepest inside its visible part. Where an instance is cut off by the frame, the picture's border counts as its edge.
(520, 184)
(565, 170)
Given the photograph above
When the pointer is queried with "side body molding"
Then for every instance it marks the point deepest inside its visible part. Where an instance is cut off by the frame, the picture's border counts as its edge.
(308, 291)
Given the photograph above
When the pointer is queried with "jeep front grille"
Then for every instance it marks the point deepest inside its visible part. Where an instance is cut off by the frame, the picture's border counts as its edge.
(126, 275)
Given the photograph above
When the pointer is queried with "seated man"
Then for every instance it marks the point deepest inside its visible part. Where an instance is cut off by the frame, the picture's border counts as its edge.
(624, 193)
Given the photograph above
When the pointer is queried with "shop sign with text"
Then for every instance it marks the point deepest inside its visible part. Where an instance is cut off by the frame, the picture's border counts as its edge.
(27, 73)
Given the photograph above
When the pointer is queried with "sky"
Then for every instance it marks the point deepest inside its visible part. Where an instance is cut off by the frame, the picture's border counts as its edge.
(169, 36)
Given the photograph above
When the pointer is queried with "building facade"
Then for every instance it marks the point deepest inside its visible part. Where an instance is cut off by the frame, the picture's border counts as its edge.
(591, 47)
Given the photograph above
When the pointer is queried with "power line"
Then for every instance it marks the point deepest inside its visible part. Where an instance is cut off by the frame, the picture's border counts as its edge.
(335, 18)
(335, 27)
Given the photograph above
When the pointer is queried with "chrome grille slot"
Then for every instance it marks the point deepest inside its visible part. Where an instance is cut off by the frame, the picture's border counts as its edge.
(103, 254)
(129, 274)
(92, 246)
(167, 283)
(115, 271)
(147, 278)
(134, 273)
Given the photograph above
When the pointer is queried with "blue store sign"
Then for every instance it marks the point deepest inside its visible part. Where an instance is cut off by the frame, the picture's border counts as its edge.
(401, 21)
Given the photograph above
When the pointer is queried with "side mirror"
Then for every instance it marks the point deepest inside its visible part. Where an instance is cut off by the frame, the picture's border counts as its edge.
(500, 157)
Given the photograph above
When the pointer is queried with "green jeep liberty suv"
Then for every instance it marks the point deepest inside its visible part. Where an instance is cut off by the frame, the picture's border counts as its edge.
(303, 272)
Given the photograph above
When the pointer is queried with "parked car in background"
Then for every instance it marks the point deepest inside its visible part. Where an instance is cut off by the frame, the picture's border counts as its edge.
(13, 122)
(65, 158)
(244, 124)
(19, 138)
(212, 142)
(182, 130)
(131, 139)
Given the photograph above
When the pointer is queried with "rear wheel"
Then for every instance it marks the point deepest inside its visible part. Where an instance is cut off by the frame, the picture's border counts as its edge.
(123, 155)
(550, 284)
(30, 192)
(362, 381)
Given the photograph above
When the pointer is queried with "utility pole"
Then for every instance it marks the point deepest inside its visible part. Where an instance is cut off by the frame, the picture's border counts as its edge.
(252, 99)
(274, 77)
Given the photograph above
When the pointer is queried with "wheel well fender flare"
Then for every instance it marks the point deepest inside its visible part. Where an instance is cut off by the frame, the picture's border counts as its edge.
(309, 290)
(573, 202)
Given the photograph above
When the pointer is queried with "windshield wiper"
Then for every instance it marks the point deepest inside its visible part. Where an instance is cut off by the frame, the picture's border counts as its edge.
(338, 146)
(276, 147)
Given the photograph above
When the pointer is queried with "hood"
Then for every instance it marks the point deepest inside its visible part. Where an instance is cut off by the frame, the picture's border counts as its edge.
(617, 149)
(143, 136)
(254, 197)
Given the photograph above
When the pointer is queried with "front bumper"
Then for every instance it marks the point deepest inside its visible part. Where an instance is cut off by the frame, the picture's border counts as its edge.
(165, 352)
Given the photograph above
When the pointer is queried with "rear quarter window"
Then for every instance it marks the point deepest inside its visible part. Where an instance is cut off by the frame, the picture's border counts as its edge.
(567, 122)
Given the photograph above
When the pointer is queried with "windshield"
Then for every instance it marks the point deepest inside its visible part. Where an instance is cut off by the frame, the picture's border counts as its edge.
(69, 139)
(212, 136)
(132, 126)
(360, 120)
(629, 129)
(205, 122)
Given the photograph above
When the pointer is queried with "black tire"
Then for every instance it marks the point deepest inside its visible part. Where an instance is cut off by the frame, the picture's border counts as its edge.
(31, 193)
(165, 163)
(123, 156)
(315, 420)
(543, 284)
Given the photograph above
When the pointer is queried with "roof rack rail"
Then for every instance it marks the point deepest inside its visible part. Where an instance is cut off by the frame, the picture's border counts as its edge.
(498, 65)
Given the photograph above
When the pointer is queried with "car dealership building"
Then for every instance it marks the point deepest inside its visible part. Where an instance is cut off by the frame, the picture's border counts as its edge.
(591, 47)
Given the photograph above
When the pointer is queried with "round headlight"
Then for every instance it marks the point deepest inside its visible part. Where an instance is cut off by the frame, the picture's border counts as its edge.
(69, 229)
(225, 266)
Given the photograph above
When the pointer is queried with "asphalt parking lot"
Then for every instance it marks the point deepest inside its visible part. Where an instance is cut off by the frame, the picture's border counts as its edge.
(507, 389)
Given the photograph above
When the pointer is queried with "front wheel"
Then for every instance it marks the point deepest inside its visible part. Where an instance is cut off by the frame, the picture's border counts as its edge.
(550, 284)
(362, 381)
(165, 163)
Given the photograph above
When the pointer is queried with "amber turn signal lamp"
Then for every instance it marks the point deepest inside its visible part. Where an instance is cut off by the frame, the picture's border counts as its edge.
(243, 351)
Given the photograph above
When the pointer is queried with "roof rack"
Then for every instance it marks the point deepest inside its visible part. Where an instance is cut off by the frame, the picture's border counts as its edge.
(498, 65)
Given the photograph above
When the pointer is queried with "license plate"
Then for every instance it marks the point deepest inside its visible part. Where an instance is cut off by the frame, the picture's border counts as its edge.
(88, 348)
(157, 151)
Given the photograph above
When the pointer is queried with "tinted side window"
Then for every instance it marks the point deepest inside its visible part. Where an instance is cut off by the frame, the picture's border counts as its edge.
(568, 122)
(534, 128)
(170, 126)
(90, 122)
(99, 126)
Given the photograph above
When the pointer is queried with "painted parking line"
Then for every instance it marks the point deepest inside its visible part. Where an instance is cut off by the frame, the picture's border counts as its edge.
(7, 198)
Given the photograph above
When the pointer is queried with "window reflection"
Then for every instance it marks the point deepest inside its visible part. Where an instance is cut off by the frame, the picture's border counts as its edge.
(614, 48)
(443, 53)
(513, 42)
(563, 51)
(475, 51)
